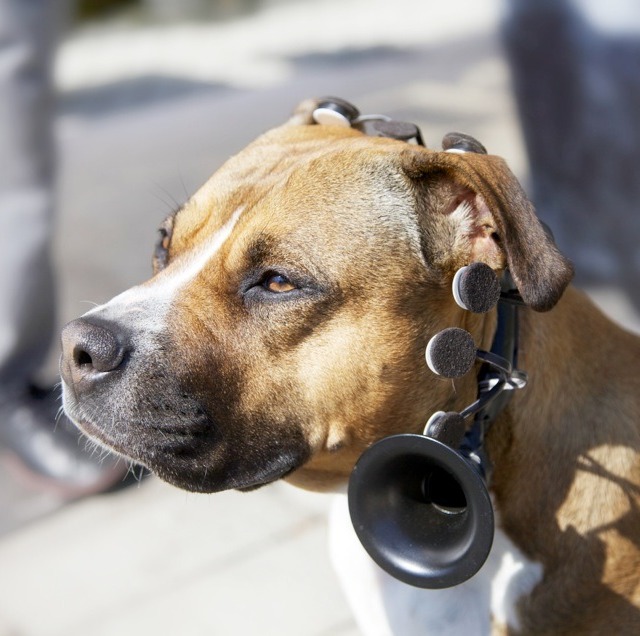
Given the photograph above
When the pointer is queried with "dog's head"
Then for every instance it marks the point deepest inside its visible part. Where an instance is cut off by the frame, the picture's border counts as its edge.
(293, 296)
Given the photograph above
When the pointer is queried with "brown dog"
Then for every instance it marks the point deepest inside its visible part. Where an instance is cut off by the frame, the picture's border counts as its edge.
(284, 331)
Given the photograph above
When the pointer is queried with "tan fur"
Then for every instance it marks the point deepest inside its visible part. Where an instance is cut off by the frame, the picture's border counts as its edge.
(381, 227)
(568, 482)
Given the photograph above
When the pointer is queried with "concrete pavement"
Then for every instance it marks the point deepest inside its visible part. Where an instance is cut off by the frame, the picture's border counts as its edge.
(136, 138)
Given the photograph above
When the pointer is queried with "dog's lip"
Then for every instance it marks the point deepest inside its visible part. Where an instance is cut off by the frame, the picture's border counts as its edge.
(174, 452)
(269, 480)
(149, 443)
(96, 434)
(171, 457)
(195, 427)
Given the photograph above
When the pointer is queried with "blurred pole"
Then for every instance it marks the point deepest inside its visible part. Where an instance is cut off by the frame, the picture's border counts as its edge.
(576, 74)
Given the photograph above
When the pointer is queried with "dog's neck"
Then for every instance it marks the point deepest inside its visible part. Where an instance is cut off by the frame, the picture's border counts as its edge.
(552, 336)
(542, 337)
(536, 458)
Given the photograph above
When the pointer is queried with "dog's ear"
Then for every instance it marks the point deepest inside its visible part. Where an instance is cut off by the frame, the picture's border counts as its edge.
(474, 209)
(303, 113)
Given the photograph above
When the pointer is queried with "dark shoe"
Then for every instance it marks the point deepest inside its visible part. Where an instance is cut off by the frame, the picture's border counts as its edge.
(53, 455)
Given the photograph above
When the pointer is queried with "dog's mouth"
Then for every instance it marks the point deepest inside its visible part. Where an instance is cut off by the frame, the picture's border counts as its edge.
(148, 444)
(194, 455)
(276, 475)
(224, 472)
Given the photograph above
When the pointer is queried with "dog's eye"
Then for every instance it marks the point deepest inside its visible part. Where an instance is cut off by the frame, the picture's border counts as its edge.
(278, 284)
(163, 240)
(275, 289)
(161, 251)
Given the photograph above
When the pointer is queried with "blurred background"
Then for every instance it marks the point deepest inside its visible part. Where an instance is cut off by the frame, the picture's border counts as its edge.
(152, 96)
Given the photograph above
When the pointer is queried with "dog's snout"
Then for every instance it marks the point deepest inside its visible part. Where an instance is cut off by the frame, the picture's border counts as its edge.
(91, 349)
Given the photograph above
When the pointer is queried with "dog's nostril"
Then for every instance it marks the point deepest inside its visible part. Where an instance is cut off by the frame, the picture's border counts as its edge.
(90, 346)
(82, 358)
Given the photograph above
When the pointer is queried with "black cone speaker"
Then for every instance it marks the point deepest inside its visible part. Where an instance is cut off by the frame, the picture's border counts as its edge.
(421, 510)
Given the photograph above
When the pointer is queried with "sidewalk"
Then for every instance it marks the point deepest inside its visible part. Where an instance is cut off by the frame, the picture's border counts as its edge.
(155, 560)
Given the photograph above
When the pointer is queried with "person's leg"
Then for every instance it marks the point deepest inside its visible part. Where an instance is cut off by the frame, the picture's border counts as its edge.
(28, 33)
(26, 187)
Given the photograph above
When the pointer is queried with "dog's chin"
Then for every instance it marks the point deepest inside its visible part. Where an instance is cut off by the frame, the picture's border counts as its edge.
(193, 475)
(191, 462)
(268, 479)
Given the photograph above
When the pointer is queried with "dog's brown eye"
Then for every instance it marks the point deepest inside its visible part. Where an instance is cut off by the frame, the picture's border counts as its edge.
(278, 284)
(161, 251)
(164, 239)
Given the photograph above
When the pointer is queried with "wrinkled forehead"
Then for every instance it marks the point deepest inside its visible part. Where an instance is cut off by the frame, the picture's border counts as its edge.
(314, 183)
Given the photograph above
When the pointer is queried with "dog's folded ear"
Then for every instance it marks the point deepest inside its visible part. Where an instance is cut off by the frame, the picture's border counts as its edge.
(303, 112)
(476, 201)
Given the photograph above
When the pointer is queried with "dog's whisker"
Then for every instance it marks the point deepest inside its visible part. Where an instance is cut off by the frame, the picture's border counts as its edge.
(184, 187)
(173, 204)
(204, 477)
(59, 415)
(90, 302)
(140, 475)
(130, 469)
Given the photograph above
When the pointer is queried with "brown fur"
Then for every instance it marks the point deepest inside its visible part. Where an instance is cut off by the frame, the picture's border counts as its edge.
(567, 482)
(372, 232)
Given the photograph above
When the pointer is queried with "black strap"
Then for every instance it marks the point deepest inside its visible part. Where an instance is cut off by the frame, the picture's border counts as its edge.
(505, 345)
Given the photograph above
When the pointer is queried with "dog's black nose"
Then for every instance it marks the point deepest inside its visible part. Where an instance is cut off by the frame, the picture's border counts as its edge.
(90, 349)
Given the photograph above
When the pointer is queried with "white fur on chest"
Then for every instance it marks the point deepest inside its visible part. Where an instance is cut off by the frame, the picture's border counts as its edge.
(383, 606)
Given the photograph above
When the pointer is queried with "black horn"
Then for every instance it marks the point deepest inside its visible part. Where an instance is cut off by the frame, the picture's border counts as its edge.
(419, 503)
(421, 510)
